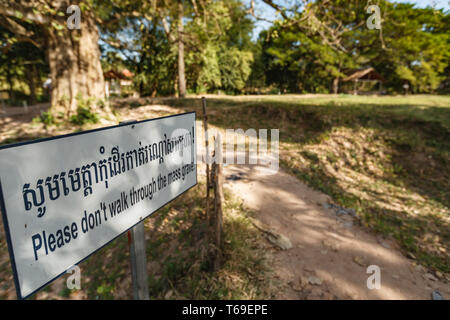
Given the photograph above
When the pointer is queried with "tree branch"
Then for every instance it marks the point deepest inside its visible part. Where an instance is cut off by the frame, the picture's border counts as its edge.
(21, 33)
(26, 15)
(167, 29)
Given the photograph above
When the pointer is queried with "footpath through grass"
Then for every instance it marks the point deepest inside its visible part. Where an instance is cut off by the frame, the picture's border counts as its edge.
(386, 157)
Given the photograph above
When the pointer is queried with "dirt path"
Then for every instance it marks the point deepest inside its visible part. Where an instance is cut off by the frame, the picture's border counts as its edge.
(330, 252)
(327, 247)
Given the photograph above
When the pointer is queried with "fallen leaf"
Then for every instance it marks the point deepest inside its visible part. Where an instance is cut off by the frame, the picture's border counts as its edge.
(429, 276)
(314, 281)
(411, 256)
(360, 261)
(168, 294)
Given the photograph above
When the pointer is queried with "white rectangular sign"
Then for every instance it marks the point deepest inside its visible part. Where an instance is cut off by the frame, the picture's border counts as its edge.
(65, 197)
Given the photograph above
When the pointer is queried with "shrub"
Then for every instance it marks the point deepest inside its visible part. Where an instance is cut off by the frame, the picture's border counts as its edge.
(46, 118)
(84, 113)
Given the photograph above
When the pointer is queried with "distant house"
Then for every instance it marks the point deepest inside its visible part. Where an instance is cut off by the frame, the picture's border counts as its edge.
(117, 82)
(363, 81)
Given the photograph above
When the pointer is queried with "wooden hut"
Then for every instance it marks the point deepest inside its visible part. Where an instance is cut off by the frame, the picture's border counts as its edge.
(116, 81)
(365, 81)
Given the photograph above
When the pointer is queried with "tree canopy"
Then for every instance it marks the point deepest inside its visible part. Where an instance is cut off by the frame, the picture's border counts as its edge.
(196, 46)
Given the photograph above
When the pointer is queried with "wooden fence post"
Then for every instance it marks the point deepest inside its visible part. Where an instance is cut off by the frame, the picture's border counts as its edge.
(138, 256)
(208, 182)
(214, 179)
(218, 202)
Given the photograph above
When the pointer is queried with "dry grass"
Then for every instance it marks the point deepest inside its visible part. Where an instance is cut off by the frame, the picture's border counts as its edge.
(178, 260)
(177, 240)
(386, 157)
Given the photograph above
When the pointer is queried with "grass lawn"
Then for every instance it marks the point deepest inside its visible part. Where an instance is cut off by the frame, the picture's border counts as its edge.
(386, 157)
(177, 242)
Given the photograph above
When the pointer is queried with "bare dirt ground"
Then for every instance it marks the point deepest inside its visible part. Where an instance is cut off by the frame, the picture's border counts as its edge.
(330, 252)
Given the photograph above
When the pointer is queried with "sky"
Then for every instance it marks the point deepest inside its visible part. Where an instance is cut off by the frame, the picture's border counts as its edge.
(266, 12)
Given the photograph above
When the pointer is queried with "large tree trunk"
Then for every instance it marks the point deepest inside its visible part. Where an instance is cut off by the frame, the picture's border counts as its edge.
(76, 72)
(181, 67)
(31, 79)
(336, 80)
(336, 85)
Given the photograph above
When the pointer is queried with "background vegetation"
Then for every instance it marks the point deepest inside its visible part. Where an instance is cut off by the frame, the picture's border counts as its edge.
(211, 46)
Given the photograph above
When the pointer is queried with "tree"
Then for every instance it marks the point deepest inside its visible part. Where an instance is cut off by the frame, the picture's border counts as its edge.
(298, 62)
(172, 14)
(154, 40)
(235, 68)
(141, 45)
(73, 55)
(257, 78)
(313, 44)
(315, 37)
(220, 48)
(417, 42)
(21, 62)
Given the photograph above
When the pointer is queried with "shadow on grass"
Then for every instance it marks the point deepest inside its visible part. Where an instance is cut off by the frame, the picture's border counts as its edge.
(415, 142)
(178, 264)
(303, 124)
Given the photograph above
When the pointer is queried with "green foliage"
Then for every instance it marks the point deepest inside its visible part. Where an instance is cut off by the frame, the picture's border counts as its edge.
(46, 118)
(148, 54)
(226, 60)
(209, 75)
(21, 63)
(235, 68)
(84, 113)
(413, 47)
(219, 53)
(83, 116)
(217, 42)
(297, 63)
(417, 51)
(304, 50)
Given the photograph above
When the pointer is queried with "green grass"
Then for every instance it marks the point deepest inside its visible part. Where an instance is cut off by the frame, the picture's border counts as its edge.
(178, 249)
(386, 157)
(184, 265)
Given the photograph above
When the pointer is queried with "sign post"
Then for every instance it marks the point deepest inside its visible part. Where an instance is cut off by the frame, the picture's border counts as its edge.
(64, 198)
(138, 256)
(136, 242)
